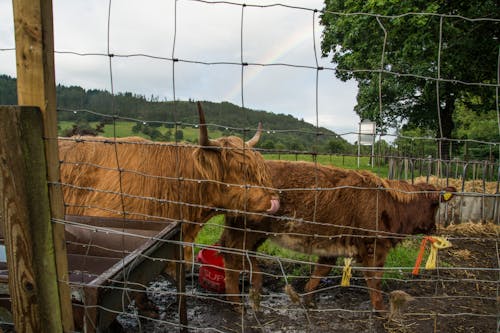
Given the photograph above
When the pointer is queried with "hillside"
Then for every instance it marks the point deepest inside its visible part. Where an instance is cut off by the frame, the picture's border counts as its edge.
(282, 131)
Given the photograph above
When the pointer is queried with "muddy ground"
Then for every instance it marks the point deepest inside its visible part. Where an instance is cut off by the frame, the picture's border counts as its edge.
(460, 298)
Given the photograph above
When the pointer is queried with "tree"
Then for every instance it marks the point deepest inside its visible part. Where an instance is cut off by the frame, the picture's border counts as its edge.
(267, 144)
(424, 56)
(83, 127)
(480, 129)
(8, 90)
(338, 146)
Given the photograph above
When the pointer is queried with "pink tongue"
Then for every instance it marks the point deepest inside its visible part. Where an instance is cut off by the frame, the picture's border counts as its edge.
(275, 205)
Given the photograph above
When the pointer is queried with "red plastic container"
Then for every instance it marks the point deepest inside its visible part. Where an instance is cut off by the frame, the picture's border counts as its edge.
(211, 274)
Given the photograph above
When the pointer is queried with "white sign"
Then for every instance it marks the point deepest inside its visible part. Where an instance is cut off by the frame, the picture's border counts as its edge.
(367, 131)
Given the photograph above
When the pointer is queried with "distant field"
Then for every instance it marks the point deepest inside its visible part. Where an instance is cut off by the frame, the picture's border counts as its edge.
(122, 129)
(349, 162)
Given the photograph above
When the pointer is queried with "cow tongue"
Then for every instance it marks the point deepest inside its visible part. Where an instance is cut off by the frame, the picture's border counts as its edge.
(275, 205)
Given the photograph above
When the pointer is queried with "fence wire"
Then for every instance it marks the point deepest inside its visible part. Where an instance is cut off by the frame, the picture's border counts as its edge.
(126, 260)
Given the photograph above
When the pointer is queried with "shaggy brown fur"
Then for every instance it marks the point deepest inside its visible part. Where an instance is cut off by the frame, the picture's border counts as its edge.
(140, 179)
(364, 217)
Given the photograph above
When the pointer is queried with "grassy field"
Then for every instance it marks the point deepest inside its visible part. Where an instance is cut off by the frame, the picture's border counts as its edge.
(342, 161)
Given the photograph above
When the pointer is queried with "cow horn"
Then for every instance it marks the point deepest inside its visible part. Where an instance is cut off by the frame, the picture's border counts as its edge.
(204, 141)
(253, 141)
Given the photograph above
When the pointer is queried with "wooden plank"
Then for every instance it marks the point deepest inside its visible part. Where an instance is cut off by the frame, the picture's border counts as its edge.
(19, 185)
(134, 267)
(115, 222)
(36, 86)
(133, 259)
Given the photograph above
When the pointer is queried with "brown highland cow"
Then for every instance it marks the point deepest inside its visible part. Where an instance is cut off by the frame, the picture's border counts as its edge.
(331, 212)
(139, 179)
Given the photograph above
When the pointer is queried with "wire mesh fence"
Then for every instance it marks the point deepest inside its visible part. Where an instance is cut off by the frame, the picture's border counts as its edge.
(214, 235)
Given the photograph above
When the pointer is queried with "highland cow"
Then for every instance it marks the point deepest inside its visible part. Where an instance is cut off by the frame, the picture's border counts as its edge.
(332, 212)
(139, 179)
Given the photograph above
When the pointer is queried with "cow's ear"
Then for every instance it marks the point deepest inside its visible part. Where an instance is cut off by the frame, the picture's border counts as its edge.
(447, 194)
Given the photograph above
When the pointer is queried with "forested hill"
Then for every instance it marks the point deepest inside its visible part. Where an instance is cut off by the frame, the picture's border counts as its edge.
(291, 133)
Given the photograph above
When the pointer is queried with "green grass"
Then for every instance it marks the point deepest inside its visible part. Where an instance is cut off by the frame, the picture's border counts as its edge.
(403, 255)
(347, 162)
(211, 231)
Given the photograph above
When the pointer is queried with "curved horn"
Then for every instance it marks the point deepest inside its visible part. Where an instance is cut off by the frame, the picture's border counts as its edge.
(253, 141)
(203, 140)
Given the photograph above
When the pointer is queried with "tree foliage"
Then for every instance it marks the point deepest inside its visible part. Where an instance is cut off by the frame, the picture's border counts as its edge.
(403, 59)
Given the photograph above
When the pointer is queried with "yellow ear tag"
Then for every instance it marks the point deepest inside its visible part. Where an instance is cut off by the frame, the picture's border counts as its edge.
(447, 196)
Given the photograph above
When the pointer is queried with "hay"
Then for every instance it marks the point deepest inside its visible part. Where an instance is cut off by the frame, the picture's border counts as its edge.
(463, 254)
(469, 186)
(488, 229)
(398, 300)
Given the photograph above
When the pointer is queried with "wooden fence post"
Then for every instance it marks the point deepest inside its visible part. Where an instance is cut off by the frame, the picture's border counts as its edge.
(25, 217)
(36, 87)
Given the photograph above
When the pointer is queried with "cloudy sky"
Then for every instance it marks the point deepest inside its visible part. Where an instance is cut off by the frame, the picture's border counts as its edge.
(145, 35)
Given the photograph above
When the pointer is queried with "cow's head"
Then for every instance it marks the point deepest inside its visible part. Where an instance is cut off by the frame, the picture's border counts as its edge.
(239, 178)
(426, 220)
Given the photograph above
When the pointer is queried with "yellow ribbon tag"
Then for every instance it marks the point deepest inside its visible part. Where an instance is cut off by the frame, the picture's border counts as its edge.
(346, 273)
(437, 243)
(447, 196)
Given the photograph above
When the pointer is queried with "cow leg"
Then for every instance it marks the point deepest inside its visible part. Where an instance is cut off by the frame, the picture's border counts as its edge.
(189, 233)
(234, 263)
(322, 269)
(145, 306)
(256, 283)
(233, 266)
(373, 278)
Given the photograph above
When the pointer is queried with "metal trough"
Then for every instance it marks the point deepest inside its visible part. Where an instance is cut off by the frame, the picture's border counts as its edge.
(106, 258)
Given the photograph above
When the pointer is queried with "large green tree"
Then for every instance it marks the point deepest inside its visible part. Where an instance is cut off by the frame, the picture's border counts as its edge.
(415, 60)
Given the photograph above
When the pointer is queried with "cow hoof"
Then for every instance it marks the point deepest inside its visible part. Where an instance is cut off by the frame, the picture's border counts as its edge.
(149, 314)
(147, 308)
(381, 313)
(310, 303)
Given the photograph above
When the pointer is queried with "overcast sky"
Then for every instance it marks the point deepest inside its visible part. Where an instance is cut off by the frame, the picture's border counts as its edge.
(201, 32)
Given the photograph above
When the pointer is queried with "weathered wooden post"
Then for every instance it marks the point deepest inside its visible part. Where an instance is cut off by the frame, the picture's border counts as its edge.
(25, 220)
(36, 87)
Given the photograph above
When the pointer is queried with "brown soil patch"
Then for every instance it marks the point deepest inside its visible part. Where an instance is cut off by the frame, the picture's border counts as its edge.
(462, 296)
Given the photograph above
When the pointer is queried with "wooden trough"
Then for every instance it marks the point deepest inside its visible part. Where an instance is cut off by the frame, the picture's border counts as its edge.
(107, 257)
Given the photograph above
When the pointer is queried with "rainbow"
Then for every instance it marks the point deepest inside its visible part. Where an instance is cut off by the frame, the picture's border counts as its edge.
(293, 41)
